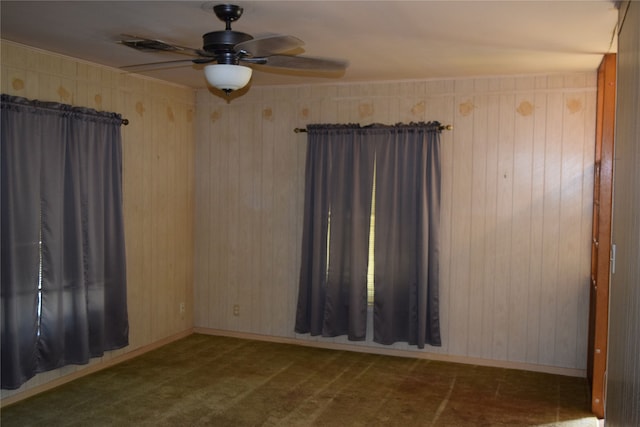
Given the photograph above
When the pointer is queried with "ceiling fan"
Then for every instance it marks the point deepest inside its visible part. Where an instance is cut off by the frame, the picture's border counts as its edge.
(227, 49)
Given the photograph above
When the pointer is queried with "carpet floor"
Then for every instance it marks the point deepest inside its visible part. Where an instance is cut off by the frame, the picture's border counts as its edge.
(204, 380)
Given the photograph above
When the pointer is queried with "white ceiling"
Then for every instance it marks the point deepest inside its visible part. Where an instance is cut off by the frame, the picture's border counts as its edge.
(382, 40)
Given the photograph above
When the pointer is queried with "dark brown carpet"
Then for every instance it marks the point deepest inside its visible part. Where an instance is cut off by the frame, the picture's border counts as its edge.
(219, 381)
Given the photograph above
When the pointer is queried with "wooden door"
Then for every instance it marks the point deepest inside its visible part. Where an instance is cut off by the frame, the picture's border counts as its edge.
(601, 243)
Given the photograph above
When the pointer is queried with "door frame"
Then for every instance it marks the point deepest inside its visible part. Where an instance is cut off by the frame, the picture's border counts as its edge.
(601, 233)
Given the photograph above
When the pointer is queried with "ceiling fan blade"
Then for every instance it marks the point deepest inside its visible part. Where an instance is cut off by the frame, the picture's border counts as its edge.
(265, 46)
(304, 63)
(152, 45)
(155, 65)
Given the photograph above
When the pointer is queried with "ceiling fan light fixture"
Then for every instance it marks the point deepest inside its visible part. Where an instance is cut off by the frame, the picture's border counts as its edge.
(227, 77)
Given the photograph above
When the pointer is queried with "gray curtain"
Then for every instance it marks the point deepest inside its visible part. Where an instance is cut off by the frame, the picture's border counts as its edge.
(63, 254)
(339, 176)
(407, 224)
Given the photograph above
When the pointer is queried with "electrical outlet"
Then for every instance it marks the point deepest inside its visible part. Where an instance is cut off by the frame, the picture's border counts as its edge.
(182, 308)
(236, 310)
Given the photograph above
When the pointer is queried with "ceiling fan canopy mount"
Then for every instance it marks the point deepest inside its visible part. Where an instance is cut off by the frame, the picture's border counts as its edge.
(228, 13)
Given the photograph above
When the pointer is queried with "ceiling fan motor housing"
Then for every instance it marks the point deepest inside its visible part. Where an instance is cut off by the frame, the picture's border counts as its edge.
(221, 44)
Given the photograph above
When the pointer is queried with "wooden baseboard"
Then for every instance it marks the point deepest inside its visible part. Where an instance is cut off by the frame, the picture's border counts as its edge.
(401, 353)
(90, 369)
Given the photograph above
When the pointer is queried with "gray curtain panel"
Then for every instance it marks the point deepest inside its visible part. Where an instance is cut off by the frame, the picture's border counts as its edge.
(63, 254)
(407, 224)
(339, 178)
(340, 165)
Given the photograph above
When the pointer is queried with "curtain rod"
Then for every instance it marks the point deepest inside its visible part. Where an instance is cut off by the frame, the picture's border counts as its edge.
(125, 122)
(442, 127)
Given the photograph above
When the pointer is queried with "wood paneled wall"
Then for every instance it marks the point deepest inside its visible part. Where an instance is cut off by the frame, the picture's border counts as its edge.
(158, 150)
(623, 369)
(516, 208)
(517, 177)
